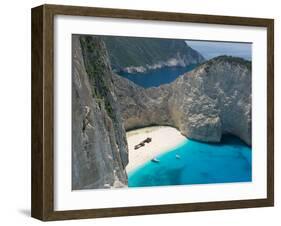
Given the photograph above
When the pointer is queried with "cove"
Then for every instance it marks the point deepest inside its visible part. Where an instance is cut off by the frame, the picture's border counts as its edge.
(194, 162)
(157, 77)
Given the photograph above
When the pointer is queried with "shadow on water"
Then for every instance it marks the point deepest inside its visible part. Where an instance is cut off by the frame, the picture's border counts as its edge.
(226, 139)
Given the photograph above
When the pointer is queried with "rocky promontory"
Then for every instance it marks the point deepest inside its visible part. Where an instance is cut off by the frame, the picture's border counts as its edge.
(137, 54)
(212, 100)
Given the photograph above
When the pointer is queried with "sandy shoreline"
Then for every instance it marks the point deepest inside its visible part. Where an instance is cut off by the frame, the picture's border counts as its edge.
(163, 139)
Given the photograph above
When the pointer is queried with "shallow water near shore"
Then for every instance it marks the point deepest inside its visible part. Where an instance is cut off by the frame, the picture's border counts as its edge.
(194, 162)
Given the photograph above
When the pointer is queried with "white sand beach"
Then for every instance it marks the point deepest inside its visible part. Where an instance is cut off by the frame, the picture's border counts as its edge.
(163, 139)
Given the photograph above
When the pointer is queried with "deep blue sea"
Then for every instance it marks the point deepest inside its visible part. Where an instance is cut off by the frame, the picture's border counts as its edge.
(199, 163)
(154, 78)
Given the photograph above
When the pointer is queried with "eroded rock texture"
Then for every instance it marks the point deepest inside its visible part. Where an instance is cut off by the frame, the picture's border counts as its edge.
(212, 100)
(99, 146)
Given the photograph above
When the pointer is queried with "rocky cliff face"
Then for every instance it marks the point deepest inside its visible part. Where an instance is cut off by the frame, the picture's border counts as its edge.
(211, 100)
(134, 54)
(99, 146)
(203, 104)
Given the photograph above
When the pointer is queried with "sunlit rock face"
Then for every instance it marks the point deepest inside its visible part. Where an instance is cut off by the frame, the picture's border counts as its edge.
(211, 100)
(99, 146)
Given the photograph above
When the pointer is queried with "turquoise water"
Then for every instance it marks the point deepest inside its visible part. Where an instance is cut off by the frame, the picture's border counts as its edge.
(154, 78)
(199, 163)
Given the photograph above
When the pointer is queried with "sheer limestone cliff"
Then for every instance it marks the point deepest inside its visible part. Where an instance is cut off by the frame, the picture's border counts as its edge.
(211, 100)
(99, 146)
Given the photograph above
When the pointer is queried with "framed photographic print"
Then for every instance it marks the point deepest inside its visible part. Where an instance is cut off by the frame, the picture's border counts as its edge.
(141, 112)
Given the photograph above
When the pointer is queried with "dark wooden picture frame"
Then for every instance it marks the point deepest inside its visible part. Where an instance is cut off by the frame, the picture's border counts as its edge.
(42, 203)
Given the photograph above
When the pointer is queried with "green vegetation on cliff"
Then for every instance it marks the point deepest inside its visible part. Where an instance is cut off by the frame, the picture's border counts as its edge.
(99, 146)
(141, 52)
(98, 70)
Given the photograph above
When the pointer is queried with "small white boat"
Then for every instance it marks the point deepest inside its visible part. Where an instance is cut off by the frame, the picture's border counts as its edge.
(155, 160)
(178, 156)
